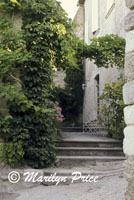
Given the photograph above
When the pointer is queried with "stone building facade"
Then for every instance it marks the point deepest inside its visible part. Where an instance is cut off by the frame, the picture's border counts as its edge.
(100, 17)
(128, 94)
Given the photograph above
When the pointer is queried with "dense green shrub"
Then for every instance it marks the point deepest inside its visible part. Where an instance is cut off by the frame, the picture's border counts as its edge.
(43, 45)
(111, 110)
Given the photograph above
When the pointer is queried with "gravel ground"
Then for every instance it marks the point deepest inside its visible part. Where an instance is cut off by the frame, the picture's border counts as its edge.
(9, 196)
(109, 188)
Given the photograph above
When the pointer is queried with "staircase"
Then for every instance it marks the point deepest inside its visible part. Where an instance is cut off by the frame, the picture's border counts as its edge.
(79, 149)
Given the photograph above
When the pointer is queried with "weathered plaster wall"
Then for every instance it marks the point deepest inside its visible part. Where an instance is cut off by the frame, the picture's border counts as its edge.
(111, 23)
(59, 77)
(17, 21)
(79, 19)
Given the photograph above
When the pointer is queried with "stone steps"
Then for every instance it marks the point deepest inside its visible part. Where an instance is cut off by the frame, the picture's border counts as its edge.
(88, 151)
(86, 160)
(79, 149)
(103, 144)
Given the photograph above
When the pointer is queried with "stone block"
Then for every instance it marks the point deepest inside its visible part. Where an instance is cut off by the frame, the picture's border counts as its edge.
(129, 115)
(130, 41)
(130, 4)
(129, 175)
(128, 93)
(129, 66)
(128, 144)
(129, 21)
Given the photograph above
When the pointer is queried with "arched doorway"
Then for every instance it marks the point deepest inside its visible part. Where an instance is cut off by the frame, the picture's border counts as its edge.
(97, 89)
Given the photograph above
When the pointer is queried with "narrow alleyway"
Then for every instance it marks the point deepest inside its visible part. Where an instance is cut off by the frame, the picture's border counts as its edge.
(110, 185)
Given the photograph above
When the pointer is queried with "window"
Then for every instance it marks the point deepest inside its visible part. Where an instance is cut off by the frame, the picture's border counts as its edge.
(95, 15)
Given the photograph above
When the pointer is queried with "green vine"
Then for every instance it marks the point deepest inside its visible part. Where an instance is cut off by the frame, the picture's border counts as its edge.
(10, 5)
(36, 52)
(106, 51)
(28, 59)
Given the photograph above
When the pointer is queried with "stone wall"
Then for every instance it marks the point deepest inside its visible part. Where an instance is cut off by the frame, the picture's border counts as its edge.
(128, 94)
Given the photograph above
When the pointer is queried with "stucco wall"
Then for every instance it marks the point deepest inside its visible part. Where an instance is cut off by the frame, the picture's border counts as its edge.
(113, 24)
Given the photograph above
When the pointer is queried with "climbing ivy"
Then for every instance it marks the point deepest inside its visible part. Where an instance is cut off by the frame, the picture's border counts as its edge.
(106, 51)
(10, 5)
(28, 59)
(41, 47)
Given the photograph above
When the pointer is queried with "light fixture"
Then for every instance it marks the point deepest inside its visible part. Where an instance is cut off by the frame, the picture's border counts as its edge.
(84, 86)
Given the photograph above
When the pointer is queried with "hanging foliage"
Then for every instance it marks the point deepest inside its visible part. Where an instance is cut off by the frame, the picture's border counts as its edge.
(41, 47)
(106, 51)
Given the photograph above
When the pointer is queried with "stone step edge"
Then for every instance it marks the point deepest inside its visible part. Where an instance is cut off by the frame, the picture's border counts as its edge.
(90, 148)
(91, 157)
(88, 141)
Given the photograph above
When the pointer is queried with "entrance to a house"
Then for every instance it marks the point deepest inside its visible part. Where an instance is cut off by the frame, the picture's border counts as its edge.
(97, 84)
